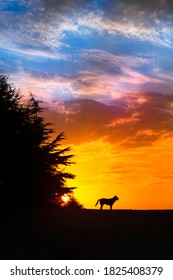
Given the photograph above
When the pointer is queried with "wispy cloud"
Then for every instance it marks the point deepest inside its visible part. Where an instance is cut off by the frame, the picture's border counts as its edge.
(44, 23)
(45, 31)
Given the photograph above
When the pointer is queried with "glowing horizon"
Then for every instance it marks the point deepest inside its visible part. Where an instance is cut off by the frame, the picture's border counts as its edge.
(103, 70)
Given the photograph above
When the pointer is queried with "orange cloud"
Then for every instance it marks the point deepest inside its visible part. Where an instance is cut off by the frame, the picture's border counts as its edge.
(133, 118)
(137, 120)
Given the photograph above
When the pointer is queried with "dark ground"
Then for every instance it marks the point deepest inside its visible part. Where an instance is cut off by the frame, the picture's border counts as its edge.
(86, 234)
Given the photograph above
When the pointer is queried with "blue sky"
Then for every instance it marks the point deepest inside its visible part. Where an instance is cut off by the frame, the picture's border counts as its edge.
(125, 45)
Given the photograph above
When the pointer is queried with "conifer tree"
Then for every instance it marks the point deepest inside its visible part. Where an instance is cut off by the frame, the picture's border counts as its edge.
(31, 164)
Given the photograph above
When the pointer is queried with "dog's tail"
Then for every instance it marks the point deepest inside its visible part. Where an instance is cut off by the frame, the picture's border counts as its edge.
(97, 201)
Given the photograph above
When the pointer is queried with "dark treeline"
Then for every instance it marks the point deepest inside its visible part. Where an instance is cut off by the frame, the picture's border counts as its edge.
(32, 164)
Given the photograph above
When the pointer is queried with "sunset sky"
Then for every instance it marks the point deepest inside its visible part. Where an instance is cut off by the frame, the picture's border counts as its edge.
(104, 70)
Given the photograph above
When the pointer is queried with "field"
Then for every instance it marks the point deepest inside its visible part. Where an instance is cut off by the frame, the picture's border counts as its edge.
(86, 234)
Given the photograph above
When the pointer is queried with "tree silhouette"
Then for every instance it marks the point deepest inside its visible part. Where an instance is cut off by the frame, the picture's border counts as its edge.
(31, 163)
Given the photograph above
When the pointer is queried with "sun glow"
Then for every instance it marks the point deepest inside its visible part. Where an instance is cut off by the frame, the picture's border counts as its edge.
(65, 198)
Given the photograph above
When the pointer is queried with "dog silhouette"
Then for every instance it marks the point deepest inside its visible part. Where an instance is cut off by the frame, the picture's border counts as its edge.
(107, 201)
